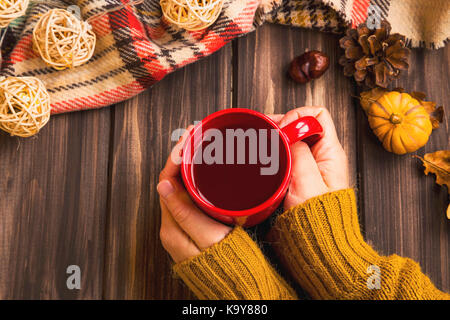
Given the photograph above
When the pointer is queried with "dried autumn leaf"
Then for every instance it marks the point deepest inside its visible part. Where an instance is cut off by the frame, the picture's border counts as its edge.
(439, 163)
(436, 113)
(418, 95)
(370, 96)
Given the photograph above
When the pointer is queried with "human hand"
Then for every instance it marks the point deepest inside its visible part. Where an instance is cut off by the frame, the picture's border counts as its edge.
(185, 230)
(317, 170)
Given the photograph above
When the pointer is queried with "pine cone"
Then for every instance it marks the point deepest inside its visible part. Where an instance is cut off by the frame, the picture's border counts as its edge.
(373, 57)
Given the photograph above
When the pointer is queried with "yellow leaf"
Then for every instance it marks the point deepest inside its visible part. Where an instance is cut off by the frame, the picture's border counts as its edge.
(370, 96)
(439, 163)
(436, 113)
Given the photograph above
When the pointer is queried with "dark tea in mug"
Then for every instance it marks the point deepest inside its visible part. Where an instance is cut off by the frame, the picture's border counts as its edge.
(241, 162)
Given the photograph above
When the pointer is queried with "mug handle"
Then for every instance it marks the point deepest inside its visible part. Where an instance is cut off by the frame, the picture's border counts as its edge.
(305, 128)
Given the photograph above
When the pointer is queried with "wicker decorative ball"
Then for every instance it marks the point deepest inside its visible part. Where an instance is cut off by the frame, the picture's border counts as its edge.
(10, 10)
(191, 15)
(24, 106)
(62, 40)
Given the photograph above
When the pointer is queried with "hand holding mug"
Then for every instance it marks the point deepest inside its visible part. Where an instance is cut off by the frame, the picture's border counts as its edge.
(186, 230)
(237, 163)
(317, 170)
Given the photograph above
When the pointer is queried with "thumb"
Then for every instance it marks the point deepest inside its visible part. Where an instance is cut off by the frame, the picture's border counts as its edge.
(203, 230)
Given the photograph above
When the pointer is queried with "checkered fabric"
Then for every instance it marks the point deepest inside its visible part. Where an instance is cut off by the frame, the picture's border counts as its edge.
(425, 23)
(136, 47)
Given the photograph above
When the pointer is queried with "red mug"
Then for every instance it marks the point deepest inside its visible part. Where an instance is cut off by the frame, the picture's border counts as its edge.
(306, 128)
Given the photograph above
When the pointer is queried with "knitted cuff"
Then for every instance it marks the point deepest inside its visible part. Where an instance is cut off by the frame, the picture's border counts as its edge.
(234, 268)
(320, 243)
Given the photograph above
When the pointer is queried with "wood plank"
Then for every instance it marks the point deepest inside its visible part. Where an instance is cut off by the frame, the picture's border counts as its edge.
(52, 207)
(261, 80)
(136, 266)
(263, 59)
(404, 210)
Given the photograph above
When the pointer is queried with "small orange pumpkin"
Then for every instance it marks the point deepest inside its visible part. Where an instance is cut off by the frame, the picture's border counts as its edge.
(400, 122)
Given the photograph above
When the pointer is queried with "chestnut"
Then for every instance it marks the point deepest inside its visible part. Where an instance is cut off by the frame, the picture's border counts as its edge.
(308, 66)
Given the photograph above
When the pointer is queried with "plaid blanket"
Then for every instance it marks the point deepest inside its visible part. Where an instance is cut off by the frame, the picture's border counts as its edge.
(136, 48)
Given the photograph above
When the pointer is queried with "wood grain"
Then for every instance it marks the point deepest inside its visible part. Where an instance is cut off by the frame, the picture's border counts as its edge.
(262, 61)
(52, 208)
(261, 82)
(136, 266)
(404, 210)
(84, 191)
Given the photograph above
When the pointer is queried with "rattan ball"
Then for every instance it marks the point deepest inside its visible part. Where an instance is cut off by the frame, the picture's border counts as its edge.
(191, 15)
(10, 10)
(62, 40)
(24, 106)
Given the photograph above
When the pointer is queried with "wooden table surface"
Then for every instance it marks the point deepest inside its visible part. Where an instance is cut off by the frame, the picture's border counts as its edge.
(84, 191)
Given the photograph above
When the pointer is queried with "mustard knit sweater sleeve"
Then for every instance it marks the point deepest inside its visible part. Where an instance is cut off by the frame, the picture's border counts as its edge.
(233, 269)
(321, 245)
